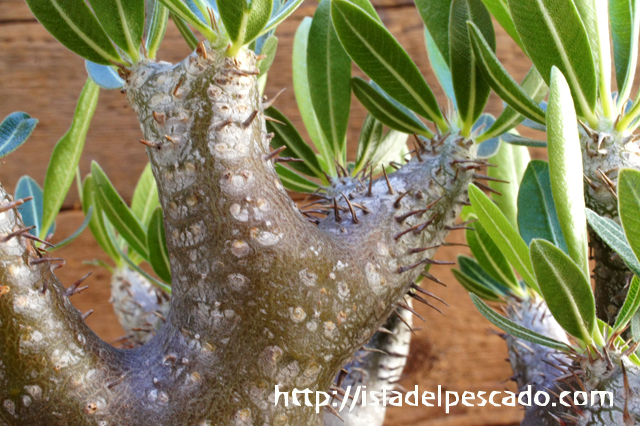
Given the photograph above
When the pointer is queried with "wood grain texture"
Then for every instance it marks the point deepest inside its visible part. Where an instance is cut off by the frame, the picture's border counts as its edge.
(41, 77)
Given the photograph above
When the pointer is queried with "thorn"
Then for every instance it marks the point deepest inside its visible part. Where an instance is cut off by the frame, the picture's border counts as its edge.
(159, 117)
(175, 89)
(86, 314)
(246, 123)
(385, 331)
(426, 302)
(421, 249)
(402, 218)
(212, 18)
(267, 118)
(269, 103)
(341, 168)
(274, 153)
(431, 277)
(342, 375)
(16, 233)
(34, 238)
(354, 217)
(420, 144)
(403, 320)
(427, 261)
(458, 228)
(362, 207)
(397, 203)
(223, 124)
(329, 178)
(587, 130)
(395, 165)
(391, 191)
(336, 211)
(150, 144)
(201, 50)
(486, 188)
(288, 160)
(426, 292)
(410, 309)
(370, 193)
(261, 57)
(73, 289)
(13, 204)
(366, 349)
(611, 187)
(333, 411)
(489, 178)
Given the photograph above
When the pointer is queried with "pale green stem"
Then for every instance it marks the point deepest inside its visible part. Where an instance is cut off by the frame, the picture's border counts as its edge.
(604, 57)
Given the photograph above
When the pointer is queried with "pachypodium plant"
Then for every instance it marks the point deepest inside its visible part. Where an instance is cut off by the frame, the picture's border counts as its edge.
(263, 293)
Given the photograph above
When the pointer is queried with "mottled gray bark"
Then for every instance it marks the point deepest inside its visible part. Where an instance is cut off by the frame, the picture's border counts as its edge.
(260, 296)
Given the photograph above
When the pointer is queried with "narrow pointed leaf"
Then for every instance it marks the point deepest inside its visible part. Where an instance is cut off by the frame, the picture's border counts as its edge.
(15, 129)
(115, 209)
(269, 49)
(370, 137)
(145, 196)
(104, 76)
(156, 28)
(476, 271)
(157, 245)
(123, 21)
(490, 257)
(565, 169)
(629, 206)
(329, 73)
(471, 89)
(503, 234)
(435, 15)
(499, 79)
(31, 211)
(71, 238)
(488, 148)
(180, 9)
(294, 181)
(66, 155)
(630, 306)
(74, 25)
(287, 9)
(396, 116)
(185, 31)
(499, 9)
(287, 135)
(613, 234)
(303, 95)
(553, 35)
(244, 23)
(516, 330)
(373, 48)
(624, 16)
(392, 147)
(565, 288)
(512, 161)
(518, 140)
(440, 66)
(537, 217)
(474, 286)
(96, 224)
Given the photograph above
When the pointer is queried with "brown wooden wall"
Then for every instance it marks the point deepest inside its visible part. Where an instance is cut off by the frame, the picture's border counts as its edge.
(39, 76)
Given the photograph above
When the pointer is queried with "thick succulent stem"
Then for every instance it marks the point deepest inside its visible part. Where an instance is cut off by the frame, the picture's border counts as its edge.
(604, 154)
(260, 296)
(535, 365)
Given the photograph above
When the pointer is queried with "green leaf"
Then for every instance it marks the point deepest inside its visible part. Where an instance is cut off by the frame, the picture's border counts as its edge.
(115, 209)
(303, 95)
(613, 234)
(295, 182)
(370, 137)
(76, 233)
(96, 224)
(287, 135)
(471, 89)
(269, 49)
(565, 169)
(499, 9)
(635, 327)
(624, 16)
(499, 79)
(503, 234)
(630, 306)
(439, 65)
(383, 59)
(185, 31)
(474, 286)
(553, 35)
(629, 206)
(516, 330)
(31, 211)
(392, 147)
(157, 245)
(518, 140)
(244, 22)
(491, 258)
(157, 28)
(435, 15)
(123, 21)
(329, 73)
(104, 76)
(536, 88)
(565, 288)
(537, 217)
(182, 11)
(145, 196)
(512, 161)
(15, 129)
(74, 25)
(383, 108)
(66, 155)
(282, 14)
(477, 272)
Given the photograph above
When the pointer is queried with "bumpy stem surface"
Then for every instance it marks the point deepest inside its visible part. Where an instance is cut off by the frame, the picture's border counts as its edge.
(260, 296)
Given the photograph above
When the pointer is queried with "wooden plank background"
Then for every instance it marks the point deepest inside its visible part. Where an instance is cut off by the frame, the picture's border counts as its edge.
(41, 77)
